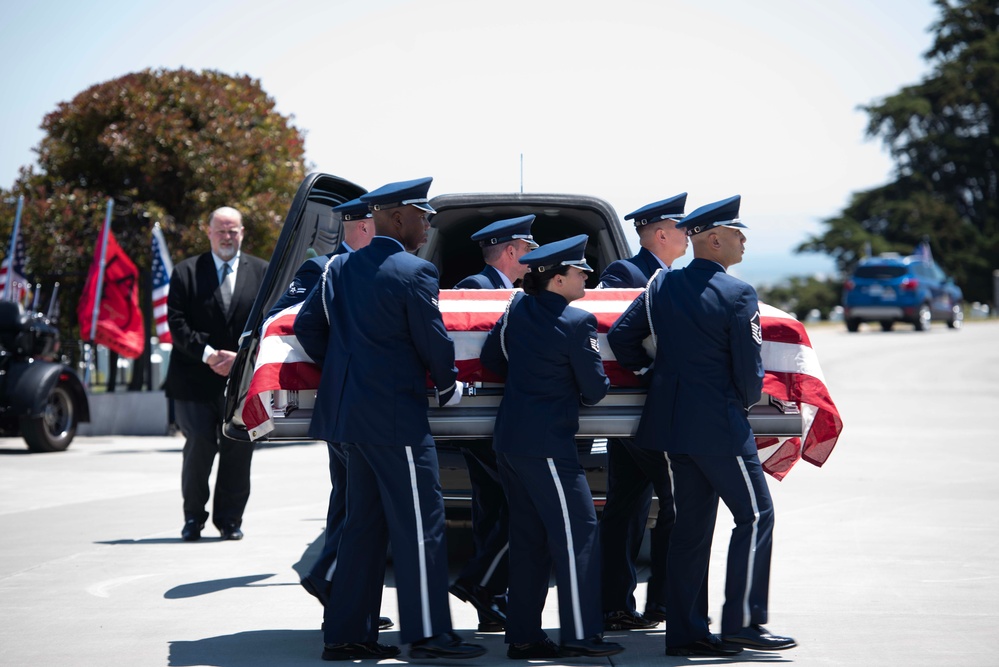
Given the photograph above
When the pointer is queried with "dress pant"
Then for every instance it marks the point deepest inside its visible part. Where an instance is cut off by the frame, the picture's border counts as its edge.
(698, 483)
(393, 493)
(335, 513)
(201, 423)
(632, 474)
(489, 565)
(552, 520)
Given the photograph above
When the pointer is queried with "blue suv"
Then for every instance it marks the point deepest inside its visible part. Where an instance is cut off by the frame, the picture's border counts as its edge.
(890, 288)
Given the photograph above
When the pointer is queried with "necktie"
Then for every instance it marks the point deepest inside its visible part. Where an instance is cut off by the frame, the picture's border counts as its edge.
(224, 287)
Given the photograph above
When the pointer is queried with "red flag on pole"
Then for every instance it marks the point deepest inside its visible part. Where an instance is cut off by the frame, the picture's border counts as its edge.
(119, 320)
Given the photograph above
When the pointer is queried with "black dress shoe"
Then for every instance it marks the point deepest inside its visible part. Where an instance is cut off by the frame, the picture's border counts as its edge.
(191, 532)
(384, 623)
(594, 647)
(447, 645)
(231, 532)
(363, 651)
(545, 649)
(627, 620)
(758, 637)
(479, 598)
(317, 588)
(655, 613)
(489, 626)
(710, 646)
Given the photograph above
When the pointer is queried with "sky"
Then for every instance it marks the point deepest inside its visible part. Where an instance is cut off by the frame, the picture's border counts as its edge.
(632, 101)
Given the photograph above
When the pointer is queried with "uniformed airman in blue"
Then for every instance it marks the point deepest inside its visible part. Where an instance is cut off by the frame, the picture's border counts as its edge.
(483, 580)
(662, 243)
(706, 374)
(549, 353)
(358, 230)
(633, 472)
(378, 341)
(503, 243)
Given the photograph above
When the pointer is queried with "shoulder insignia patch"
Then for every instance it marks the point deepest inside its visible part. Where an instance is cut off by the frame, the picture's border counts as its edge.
(757, 330)
(595, 344)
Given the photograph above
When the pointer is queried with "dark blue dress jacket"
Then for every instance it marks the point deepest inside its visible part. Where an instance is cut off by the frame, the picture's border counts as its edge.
(555, 365)
(707, 371)
(305, 279)
(377, 346)
(632, 272)
(487, 278)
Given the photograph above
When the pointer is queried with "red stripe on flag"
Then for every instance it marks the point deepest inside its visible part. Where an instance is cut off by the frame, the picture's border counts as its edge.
(470, 312)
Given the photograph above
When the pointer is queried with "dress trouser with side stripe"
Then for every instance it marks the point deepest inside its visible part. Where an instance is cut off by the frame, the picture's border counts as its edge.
(551, 520)
(632, 474)
(392, 493)
(489, 565)
(335, 512)
(698, 482)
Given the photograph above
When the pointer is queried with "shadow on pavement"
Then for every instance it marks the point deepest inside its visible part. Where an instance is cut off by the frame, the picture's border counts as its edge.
(216, 585)
(263, 648)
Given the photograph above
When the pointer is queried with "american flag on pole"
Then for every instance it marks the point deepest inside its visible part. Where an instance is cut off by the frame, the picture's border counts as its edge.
(792, 369)
(162, 268)
(14, 282)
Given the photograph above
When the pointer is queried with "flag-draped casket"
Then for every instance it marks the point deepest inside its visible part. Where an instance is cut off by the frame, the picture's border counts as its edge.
(792, 369)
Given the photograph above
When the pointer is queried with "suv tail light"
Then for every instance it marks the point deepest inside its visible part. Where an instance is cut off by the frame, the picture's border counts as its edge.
(909, 285)
(849, 285)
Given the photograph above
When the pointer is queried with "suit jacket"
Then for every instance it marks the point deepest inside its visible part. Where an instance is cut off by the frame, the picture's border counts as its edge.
(632, 272)
(305, 279)
(377, 347)
(707, 371)
(554, 365)
(487, 278)
(196, 319)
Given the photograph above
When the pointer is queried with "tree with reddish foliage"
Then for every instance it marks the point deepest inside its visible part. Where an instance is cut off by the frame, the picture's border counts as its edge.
(168, 146)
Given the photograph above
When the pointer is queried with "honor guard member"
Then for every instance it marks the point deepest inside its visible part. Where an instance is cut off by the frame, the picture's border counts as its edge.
(483, 580)
(358, 230)
(633, 472)
(550, 356)
(503, 243)
(706, 374)
(374, 320)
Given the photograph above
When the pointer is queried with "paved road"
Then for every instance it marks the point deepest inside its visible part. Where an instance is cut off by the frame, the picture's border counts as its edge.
(889, 555)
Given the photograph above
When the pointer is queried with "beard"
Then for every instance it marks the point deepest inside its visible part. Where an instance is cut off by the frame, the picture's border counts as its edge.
(226, 253)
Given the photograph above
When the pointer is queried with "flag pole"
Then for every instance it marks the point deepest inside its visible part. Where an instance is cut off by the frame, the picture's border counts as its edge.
(100, 285)
(7, 288)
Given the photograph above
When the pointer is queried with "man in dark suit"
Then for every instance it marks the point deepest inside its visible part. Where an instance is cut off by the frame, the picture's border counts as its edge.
(706, 374)
(358, 230)
(633, 472)
(483, 580)
(210, 300)
(374, 323)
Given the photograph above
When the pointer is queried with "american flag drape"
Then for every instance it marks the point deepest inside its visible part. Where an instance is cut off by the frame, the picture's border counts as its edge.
(792, 369)
(162, 268)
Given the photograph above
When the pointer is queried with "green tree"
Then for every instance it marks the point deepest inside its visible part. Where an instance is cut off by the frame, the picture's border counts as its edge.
(942, 136)
(168, 146)
(800, 295)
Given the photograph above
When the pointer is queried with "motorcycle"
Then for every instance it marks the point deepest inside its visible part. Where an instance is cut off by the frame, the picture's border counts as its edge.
(41, 399)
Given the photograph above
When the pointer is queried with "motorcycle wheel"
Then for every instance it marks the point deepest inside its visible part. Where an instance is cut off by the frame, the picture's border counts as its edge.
(54, 429)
